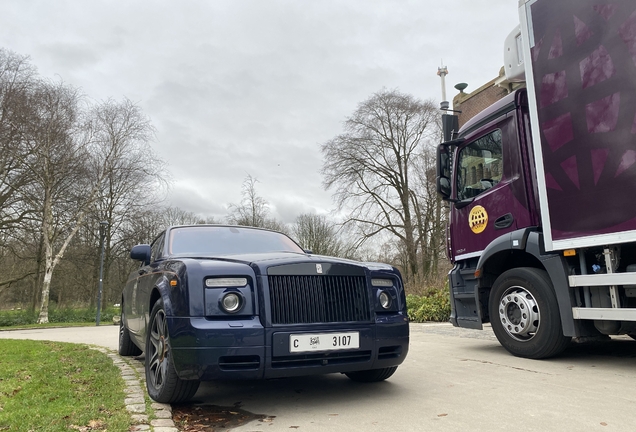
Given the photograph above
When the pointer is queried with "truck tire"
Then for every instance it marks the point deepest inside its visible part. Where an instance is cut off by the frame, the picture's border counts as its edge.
(162, 381)
(524, 314)
(373, 375)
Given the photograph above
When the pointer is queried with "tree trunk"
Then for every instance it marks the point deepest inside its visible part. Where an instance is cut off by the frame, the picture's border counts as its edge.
(35, 299)
(43, 318)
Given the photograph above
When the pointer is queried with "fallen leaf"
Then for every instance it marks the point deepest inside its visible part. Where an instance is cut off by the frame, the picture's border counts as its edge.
(603, 424)
(442, 415)
(95, 424)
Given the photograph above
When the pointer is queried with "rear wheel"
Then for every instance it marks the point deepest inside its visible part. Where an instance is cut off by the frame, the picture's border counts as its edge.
(524, 314)
(373, 375)
(126, 346)
(161, 377)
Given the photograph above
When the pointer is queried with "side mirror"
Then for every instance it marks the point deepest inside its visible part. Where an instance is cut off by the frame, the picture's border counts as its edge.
(445, 168)
(444, 187)
(444, 171)
(450, 126)
(141, 253)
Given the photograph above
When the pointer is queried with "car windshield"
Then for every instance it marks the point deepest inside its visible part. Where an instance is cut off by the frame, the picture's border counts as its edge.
(226, 240)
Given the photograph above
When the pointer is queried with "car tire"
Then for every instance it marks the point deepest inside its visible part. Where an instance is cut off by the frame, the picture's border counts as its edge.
(162, 381)
(372, 375)
(524, 314)
(126, 346)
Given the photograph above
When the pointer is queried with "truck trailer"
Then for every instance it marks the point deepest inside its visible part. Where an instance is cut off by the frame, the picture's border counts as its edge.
(542, 184)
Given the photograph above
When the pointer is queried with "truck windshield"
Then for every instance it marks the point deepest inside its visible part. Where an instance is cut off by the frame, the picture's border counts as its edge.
(480, 166)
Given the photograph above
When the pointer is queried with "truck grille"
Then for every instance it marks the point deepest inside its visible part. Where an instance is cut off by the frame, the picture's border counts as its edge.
(318, 299)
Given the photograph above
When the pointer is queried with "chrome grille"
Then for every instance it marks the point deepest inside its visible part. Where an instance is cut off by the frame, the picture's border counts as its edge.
(318, 299)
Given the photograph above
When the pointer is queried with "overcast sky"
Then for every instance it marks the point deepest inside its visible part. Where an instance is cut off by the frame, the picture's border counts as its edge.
(255, 87)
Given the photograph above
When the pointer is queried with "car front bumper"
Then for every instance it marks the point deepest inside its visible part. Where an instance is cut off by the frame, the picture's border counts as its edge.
(244, 349)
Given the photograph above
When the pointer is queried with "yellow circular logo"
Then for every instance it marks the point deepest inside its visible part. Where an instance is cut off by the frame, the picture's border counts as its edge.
(478, 219)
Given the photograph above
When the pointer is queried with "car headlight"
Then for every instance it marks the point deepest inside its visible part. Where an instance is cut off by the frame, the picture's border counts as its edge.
(232, 302)
(385, 299)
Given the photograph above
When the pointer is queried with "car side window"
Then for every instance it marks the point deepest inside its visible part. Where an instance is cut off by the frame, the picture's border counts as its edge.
(156, 248)
(480, 165)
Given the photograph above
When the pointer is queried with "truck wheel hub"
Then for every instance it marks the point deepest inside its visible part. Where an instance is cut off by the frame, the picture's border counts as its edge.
(519, 313)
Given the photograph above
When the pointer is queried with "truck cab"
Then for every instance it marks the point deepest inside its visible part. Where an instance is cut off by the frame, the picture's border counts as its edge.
(542, 229)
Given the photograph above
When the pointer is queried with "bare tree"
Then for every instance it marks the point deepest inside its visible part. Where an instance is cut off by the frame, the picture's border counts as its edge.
(74, 152)
(17, 79)
(318, 234)
(431, 216)
(177, 216)
(371, 166)
(132, 182)
(253, 209)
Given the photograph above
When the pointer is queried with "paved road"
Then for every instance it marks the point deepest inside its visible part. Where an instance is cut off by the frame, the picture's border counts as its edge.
(453, 379)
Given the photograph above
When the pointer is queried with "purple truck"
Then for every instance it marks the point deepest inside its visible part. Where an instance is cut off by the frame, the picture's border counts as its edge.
(542, 184)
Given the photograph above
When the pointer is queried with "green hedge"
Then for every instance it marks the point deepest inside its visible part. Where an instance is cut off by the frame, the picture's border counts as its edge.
(66, 315)
(433, 306)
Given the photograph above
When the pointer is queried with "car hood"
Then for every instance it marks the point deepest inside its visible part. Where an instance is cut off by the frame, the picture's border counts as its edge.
(274, 259)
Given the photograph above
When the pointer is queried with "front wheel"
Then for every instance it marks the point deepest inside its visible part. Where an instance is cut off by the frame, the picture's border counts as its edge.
(524, 314)
(373, 375)
(162, 381)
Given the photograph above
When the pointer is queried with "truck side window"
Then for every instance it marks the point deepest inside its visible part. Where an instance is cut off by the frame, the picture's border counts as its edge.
(480, 166)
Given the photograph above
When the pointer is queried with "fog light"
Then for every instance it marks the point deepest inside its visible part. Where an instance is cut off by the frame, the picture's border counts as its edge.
(231, 302)
(385, 300)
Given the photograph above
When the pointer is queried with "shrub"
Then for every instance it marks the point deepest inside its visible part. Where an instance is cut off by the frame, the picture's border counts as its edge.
(65, 315)
(17, 317)
(433, 306)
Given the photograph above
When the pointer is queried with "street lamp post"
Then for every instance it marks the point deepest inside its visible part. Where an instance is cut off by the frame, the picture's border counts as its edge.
(102, 236)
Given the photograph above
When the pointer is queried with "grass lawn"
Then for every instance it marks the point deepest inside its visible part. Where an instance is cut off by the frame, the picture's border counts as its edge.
(54, 386)
(47, 325)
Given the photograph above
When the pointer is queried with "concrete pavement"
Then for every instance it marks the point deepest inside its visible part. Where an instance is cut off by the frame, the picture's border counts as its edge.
(106, 336)
(453, 379)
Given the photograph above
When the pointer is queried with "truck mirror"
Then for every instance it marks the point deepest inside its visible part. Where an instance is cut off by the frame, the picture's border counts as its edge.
(443, 171)
(444, 187)
(450, 126)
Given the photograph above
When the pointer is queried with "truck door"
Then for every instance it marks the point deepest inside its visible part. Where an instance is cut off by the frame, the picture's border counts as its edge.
(490, 188)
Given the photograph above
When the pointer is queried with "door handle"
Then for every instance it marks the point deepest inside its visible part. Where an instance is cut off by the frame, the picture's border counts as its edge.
(504, 221)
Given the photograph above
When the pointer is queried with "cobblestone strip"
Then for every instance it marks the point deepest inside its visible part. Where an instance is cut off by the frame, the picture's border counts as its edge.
(132, 371)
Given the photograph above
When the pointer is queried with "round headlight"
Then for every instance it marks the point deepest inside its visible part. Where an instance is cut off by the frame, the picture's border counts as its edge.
(385, 300)
(231, 302)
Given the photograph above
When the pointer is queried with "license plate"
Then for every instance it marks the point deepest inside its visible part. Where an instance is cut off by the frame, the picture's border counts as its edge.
(308, 342)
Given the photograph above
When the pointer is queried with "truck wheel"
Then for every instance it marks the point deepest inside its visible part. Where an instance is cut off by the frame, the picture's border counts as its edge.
(126, 346)
(524, 314)
(161, 377)
(373, 375)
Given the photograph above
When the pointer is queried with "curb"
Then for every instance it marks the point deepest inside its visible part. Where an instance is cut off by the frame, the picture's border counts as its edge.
(133, 374)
